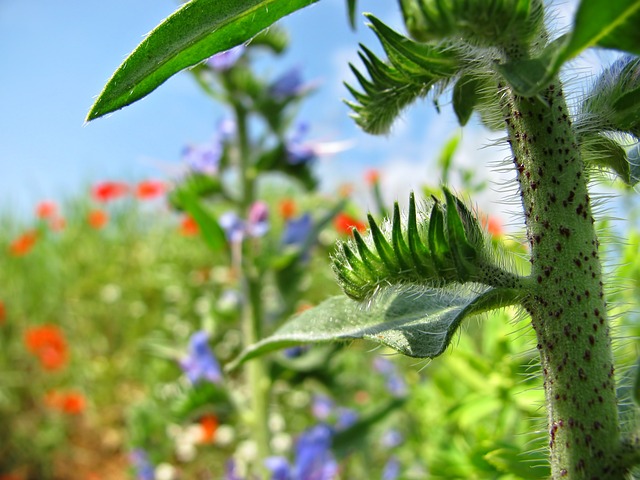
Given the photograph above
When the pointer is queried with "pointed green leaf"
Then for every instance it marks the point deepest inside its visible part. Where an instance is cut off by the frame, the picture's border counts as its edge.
(351, 10)
(414, 323)
(197, 30)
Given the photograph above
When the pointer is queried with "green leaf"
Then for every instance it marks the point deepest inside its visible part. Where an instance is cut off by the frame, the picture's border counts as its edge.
(211, 231)
(197, 30)
(613, 103)
(351, 10)
(412, 322)
(605, 23)
(598, 23)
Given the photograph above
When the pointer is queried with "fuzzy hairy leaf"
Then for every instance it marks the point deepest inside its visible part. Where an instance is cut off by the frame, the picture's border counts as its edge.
(197, 30)
(602, 151)
(613, 103)
(417, 324)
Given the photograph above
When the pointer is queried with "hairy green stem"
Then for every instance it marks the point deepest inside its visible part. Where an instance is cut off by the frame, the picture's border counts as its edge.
(258, 380)
(565, 299)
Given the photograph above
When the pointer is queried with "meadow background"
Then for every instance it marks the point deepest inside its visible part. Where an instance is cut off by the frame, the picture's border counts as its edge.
(105, 283)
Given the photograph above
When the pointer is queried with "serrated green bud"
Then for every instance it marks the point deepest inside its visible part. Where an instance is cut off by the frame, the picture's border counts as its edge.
(446, 246)
(488, 23)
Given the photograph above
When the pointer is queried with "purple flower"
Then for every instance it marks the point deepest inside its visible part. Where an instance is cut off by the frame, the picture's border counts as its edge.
(391, 439)
(395, 383)
(258, 224)
(235, 228)
(299, 151)
(200, 363)
(141, 464)
(230, 470)
(313, 458)
(346, 418)
(203, 159)
(391, 470)
(297, 230)
(223, 61)
(279, 467)
(322, 407)
(289, 84)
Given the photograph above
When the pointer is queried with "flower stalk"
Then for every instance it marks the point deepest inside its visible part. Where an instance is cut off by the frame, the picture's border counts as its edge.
(565, 298)
(258, 381)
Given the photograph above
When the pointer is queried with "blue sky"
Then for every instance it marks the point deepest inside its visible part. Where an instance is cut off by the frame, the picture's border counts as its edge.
(56, 57)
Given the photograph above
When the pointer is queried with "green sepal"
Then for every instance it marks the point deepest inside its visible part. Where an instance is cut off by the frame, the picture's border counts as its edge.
(196, 31)
(463, 253)
(369, 259)
(439, 245)
(417, 323)
(382, 245)
(427, 61)
(400, 248)
(419, 248)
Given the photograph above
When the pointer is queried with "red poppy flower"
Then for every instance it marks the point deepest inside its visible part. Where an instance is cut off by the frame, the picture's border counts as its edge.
(46, 209)
(71, 402)
(150, 189)
(287, 208)
(23, 244)
(107, 191)
(48, 344)
(372, 176)
(3, 313)
(345, 224)
(209, 425)
(97, 219)
(189, 227)
(57, 224)
(493, 225)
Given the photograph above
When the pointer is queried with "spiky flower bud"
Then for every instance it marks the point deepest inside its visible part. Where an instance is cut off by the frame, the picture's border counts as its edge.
(487, 23)
(447, 246)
